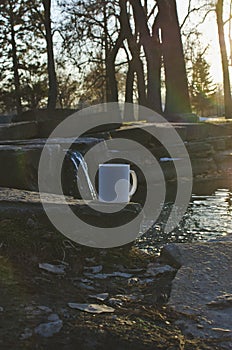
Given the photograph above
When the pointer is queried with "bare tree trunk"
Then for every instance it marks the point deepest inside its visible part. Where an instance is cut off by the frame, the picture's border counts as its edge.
(129, 83)
(129, 110)
(110, 57)
(52, 92)
(111, 82)
(112, 85)
(134, 47)
(15, 63)
(151, 47)
(177, 96)
(230, 35)
(224, 59)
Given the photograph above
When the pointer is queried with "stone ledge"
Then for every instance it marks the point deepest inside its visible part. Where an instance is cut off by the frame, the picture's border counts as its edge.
(202, 288)
(18, 131)
(23, 205)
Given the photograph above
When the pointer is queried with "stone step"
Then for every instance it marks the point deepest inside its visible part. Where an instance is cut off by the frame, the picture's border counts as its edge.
(18, 131)
(19, 160)
(25, 205)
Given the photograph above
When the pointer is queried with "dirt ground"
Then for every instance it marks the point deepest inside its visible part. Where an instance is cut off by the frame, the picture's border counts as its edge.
(29, 295)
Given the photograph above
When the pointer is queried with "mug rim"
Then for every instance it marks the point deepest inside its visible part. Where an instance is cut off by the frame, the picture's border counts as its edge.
(114, 165)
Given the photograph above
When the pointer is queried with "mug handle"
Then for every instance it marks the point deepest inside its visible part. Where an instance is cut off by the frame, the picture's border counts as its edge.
(134, 183)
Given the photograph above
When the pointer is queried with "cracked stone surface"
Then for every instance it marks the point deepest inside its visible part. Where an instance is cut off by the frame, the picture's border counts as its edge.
(202, 288)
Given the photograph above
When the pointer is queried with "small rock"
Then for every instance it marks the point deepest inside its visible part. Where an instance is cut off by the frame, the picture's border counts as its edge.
(65, 313)
(121, 274)
(85, 286)
(133, 281)
(56, 269)
(91, 308)
(224, 330)
(130, 297)
(155, 269)
(147, 281)
(1, 309)
(44, 308)
(94, 269)
(85, 280)
(137, 281)
(115, 302)
(49, 329)
(26, 334)
(222, 301)
(32, 223)
(32, 311)
(91, 260)
(200, 326)
(100, 297)
(37, 310)
(106, 275)
(53, 317)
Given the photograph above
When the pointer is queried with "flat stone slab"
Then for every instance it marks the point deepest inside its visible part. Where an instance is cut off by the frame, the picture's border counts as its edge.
(22, 205)
(18, 131)
(202, 288)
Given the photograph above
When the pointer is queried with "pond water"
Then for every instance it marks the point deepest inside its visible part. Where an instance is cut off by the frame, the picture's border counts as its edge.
(207, 217)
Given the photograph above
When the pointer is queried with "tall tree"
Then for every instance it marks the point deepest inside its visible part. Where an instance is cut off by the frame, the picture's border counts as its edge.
(52, 92)
(224, 59)
(11, 21)
(135, 64)
(149, 39)
(177, 96)
(202, 88)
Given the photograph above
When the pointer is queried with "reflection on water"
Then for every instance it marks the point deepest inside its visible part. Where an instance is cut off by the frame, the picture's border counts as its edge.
(207, 217)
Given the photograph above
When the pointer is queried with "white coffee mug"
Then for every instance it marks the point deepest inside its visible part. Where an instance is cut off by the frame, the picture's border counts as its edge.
(114, 183)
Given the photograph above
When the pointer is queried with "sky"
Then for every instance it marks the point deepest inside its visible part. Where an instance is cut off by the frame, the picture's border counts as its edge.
(209, 36)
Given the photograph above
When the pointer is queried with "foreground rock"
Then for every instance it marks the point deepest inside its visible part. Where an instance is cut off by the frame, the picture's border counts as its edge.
(202, 289)
(27, 205)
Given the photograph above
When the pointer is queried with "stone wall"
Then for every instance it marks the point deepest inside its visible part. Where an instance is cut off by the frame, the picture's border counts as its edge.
(209, 147)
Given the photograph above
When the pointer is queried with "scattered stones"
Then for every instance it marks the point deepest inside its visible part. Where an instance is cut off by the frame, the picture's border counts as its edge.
(84, 283)
(49, 329)
(56, 269)
(33, 311)
(91, 308)
(138, 281)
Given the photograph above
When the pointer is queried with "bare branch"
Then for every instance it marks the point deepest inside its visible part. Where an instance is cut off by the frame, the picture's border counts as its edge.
(190, 11)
